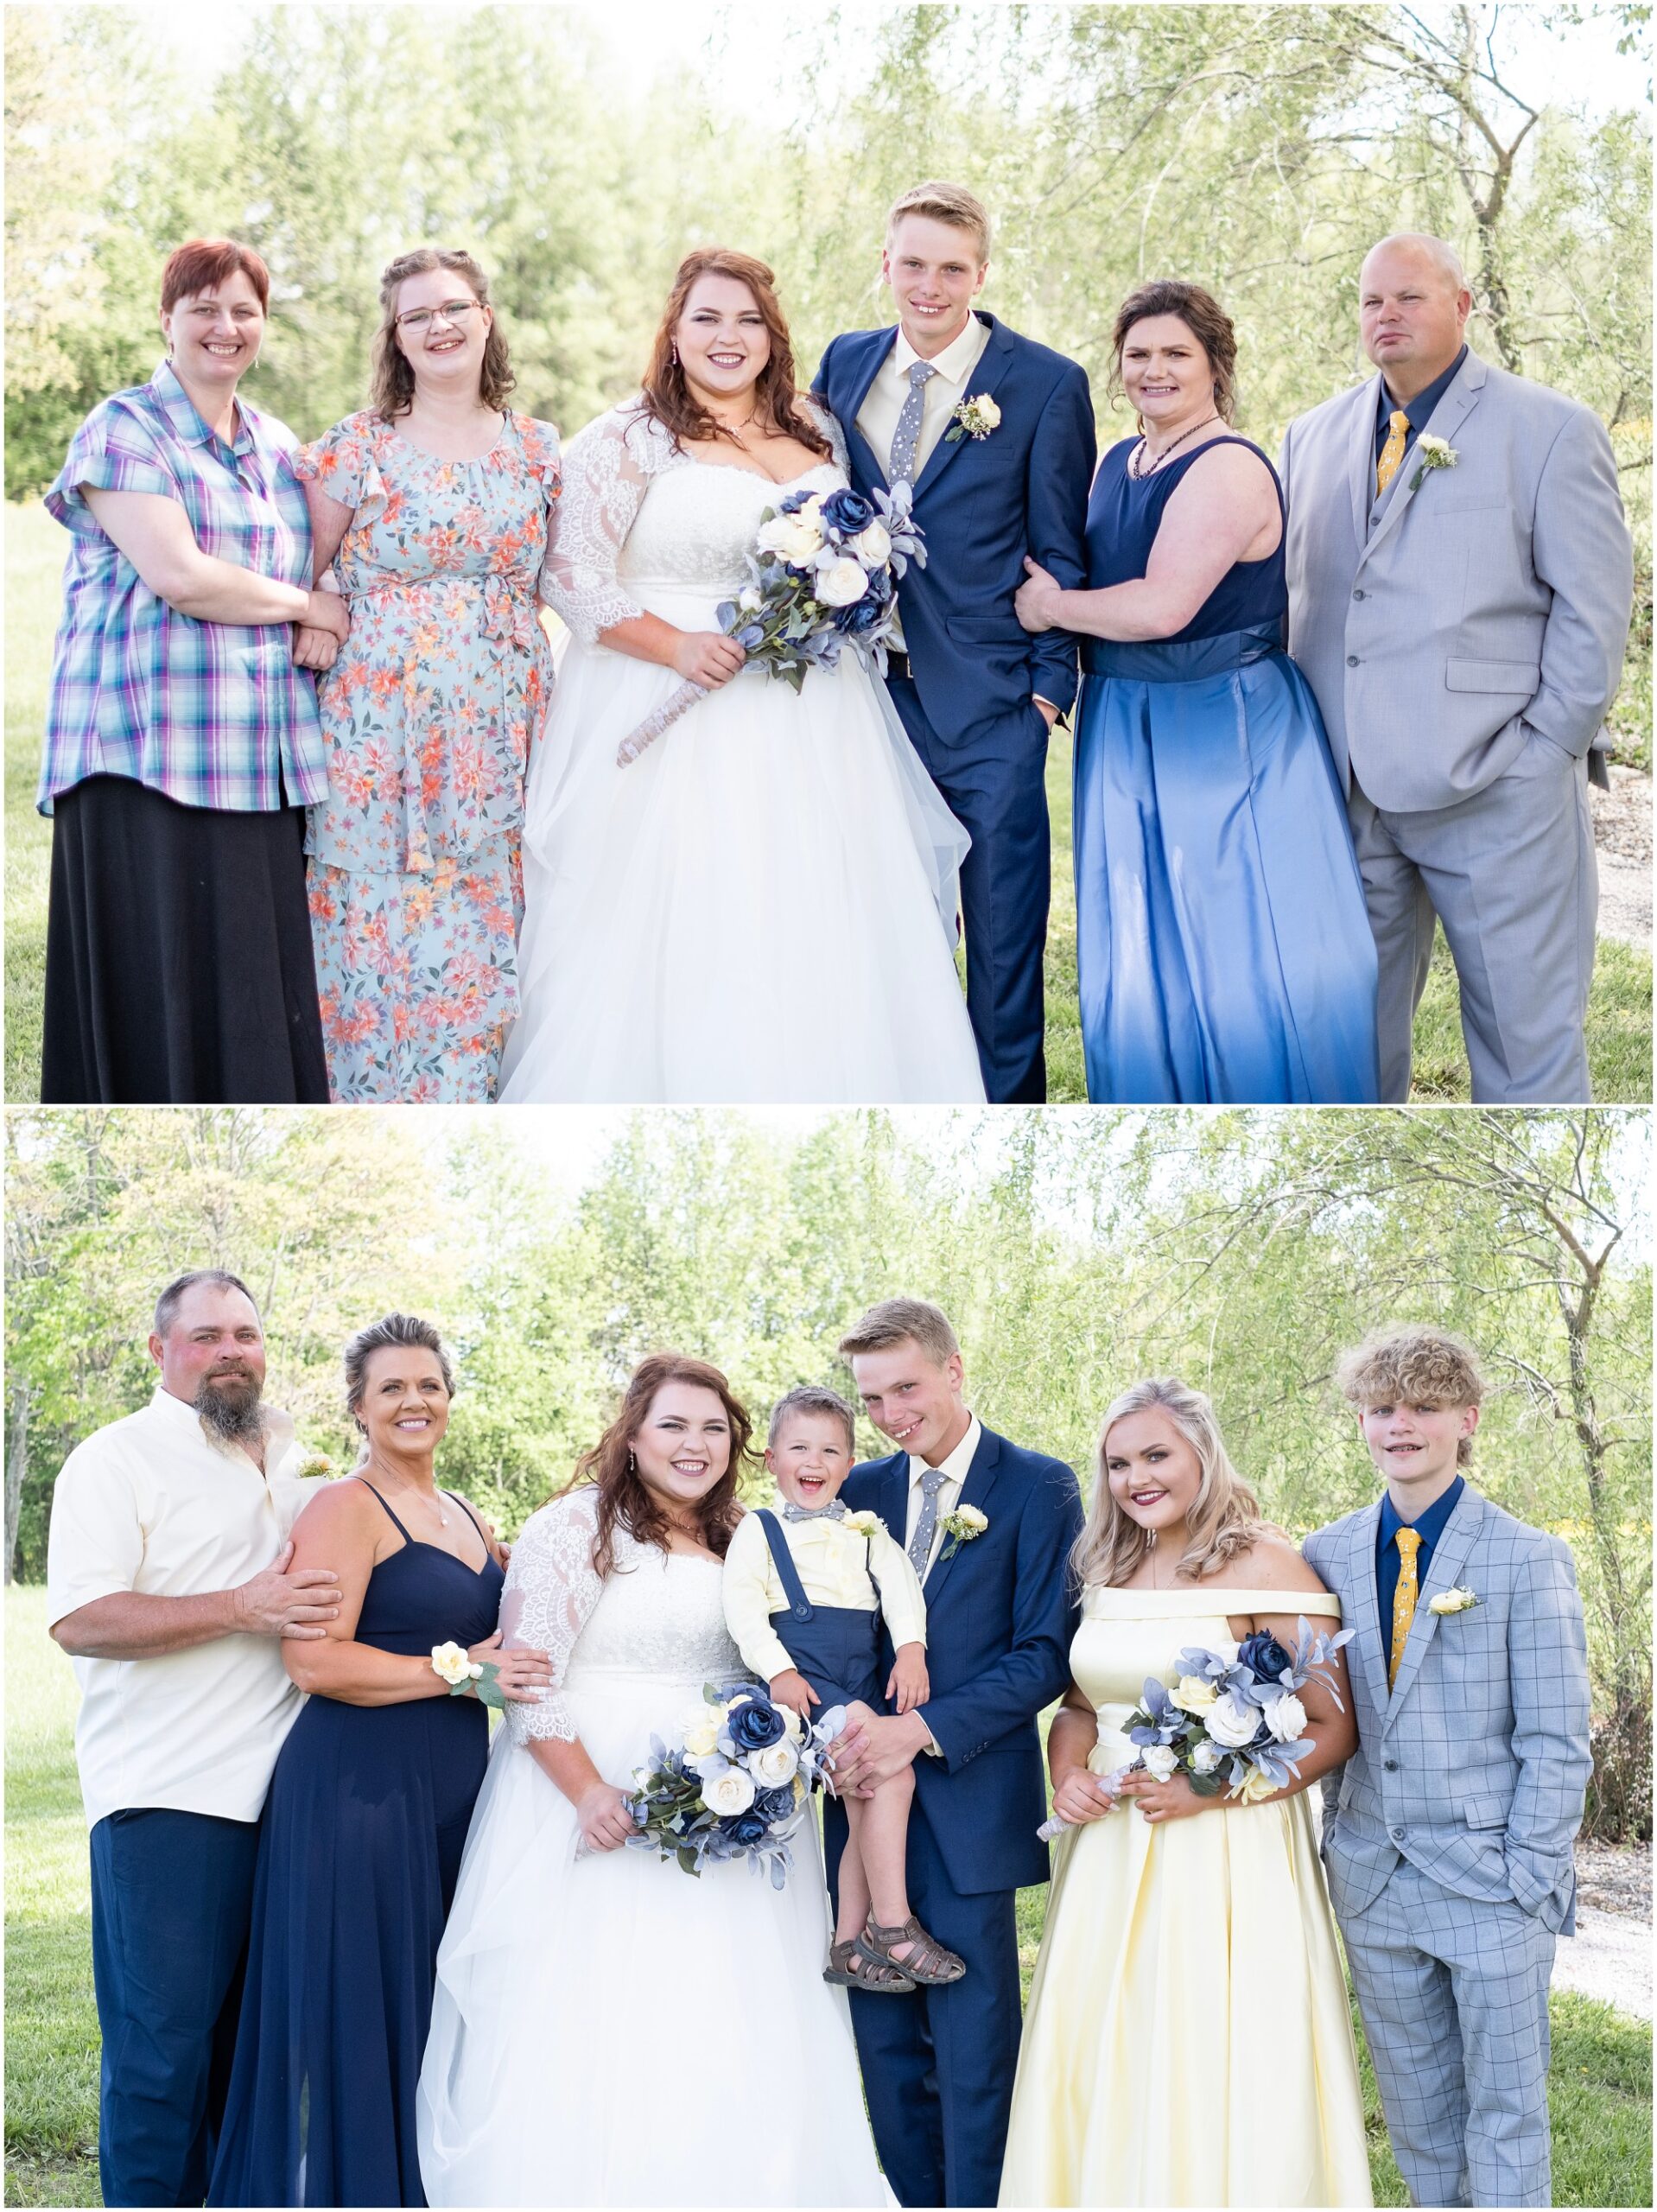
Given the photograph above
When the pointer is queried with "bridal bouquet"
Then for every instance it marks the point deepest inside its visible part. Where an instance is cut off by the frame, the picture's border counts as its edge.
(736, 1785)
(1228, 1723)
(821, 576)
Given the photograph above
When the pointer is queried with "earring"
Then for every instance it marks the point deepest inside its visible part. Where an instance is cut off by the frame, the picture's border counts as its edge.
(673, 351)
(632, 1464)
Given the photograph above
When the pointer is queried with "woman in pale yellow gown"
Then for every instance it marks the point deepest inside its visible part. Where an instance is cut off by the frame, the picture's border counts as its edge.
(1188, 2041)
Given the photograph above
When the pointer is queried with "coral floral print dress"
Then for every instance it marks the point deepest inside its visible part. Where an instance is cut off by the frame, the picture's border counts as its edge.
(429, 713)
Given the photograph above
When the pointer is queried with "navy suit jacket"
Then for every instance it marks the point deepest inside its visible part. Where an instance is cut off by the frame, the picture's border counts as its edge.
(983, 504)
(1001, 1613)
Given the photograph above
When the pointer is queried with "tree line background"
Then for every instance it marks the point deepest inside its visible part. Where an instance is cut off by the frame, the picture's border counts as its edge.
(1077, 1253)
(1258, 149)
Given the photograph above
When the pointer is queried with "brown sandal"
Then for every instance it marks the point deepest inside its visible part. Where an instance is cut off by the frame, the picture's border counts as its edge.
(928, 1962)
(854, 1966)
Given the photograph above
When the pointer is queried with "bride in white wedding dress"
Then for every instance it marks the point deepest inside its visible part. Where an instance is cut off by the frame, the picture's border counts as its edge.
(762, 907)
(606, 2029)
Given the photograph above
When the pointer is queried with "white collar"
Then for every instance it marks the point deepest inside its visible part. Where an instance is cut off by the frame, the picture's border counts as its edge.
(279, 1430)
(955, 362)
(957, 1465)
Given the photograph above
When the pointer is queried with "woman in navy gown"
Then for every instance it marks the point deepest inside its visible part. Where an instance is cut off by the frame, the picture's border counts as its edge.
(1222, 948)
(369, 1805)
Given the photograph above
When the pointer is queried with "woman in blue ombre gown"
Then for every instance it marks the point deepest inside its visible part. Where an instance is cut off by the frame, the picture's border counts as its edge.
(360, 1844)
(1223, 951)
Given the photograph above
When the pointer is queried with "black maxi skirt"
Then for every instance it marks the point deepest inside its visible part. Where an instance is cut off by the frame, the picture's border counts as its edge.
(178, 954)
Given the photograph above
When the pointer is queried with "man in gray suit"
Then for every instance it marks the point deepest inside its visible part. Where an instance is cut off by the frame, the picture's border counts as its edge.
(1448, 1834)
(1460, 582)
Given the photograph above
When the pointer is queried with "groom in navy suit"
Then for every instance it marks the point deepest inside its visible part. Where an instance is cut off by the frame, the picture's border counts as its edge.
(995, 434)
(938, 2062)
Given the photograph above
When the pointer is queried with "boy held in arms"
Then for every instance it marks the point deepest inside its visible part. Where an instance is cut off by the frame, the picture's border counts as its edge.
(805, 1596)
(1448, 1835)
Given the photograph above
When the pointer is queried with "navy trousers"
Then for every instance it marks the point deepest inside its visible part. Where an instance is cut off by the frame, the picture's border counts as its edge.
(172, 1899)
(992, 778)
(938, 2065)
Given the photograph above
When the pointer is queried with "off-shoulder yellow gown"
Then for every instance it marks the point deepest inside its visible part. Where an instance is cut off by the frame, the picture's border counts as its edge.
(1188, 2040)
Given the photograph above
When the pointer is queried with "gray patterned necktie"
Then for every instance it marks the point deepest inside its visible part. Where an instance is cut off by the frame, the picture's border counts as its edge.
(907, 435)
(920, 1544)
(834, 1510)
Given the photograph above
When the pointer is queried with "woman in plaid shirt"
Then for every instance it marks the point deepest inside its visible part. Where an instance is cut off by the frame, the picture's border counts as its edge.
(181, 743)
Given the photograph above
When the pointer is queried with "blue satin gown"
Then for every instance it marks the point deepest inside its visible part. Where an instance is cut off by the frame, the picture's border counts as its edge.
(359, 1855)
(1223, 951)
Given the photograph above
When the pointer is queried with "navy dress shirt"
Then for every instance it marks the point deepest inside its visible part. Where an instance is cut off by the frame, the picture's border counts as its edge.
(1429, 1528)
(1420, 410)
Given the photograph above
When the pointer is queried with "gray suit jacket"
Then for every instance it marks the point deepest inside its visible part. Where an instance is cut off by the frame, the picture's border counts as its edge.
(1473, 1767)
(1471, 605)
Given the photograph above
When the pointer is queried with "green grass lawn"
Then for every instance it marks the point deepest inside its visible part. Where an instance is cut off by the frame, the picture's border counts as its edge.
(1619, 1019)
(1599, 2089)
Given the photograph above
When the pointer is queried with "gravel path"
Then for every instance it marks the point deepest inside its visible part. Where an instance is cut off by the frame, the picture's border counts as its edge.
(1622, 849)
(1610, 1955)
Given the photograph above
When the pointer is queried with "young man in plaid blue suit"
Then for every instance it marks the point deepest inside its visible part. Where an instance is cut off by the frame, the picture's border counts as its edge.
(1448, 1835)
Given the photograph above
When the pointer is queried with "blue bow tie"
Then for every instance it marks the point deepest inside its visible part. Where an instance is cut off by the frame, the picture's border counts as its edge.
(833, 1512)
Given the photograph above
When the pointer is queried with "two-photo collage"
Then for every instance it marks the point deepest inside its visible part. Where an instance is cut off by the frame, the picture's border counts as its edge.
(828, 1107)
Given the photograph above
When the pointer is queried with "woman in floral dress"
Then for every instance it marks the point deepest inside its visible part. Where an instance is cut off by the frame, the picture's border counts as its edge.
(432, 504)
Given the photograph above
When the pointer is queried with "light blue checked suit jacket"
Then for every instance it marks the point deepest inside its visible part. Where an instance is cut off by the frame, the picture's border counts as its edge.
(1473, 1767)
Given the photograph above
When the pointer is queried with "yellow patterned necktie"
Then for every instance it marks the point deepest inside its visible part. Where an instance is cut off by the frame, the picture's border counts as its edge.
(1398, 428)
(1404, 1598)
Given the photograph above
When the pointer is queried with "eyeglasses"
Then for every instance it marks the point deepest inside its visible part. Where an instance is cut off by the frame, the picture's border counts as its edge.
(452, 311)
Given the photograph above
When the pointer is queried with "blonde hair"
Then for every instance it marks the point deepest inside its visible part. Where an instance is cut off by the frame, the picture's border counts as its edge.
(903, 1320)
(1225, 1517)
(1413, 1365)
(944, 203)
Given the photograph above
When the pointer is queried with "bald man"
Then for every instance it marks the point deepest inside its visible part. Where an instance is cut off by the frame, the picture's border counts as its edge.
(1460, 582)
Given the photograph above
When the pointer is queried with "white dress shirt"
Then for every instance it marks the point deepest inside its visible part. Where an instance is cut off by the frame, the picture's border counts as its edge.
(941, 394)
(151, 1504)
(834, 1564)
(953, 1471)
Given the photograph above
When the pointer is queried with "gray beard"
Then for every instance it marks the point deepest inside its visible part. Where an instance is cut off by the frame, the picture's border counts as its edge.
(233, 1415)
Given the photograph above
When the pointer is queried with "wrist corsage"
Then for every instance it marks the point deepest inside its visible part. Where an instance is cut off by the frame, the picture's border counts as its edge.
(463, 1673)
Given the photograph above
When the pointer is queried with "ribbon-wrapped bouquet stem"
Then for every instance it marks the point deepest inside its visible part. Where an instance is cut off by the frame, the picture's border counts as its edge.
(823, 575)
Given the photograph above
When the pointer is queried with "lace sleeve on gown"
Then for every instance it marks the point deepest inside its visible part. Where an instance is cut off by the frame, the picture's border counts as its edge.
(552, 1571)
(607, 470)
(829, 422)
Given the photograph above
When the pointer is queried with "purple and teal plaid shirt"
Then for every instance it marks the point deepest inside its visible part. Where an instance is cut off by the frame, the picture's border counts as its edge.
(211, 714)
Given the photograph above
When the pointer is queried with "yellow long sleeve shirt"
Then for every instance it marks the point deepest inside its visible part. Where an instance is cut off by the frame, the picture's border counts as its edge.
(833, 1562)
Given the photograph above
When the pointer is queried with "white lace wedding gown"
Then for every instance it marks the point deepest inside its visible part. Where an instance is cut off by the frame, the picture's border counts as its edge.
(606, 2030)
(760, 908)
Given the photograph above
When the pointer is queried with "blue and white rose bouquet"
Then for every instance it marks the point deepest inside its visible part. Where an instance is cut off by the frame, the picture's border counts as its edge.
(821, 576)
(1236, 1725)
(736, 1785)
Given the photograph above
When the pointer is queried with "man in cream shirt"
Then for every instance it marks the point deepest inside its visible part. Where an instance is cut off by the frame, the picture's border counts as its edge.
(168, 1585)
(938, 2065)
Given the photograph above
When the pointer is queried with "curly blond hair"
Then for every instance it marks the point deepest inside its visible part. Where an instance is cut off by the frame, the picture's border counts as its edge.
(1412, 1364)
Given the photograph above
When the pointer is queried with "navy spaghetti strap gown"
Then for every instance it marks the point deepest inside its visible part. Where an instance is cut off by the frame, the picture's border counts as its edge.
(359, 1855)
(1223, 950)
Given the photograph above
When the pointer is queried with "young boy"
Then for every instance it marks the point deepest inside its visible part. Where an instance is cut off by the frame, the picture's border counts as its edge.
(1448, 1835)
(805, 1596)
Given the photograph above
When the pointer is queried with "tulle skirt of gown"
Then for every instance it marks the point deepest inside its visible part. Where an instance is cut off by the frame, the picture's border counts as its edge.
(608, 2031)
(760, 908)
(1223, 950)
(1188, 2041)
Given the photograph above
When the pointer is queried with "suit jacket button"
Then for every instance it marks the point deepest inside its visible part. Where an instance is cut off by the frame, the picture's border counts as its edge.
(1357, 594)
(1391, 1766)
(1352, 660)
(1398, 1834)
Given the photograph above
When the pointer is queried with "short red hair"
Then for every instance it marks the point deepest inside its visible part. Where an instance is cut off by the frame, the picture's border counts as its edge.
(205, 261)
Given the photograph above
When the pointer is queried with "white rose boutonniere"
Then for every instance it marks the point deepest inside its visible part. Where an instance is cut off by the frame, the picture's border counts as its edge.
(315, 1467)
(1454, 1601)
(1434, 452)
(864, 1524)
(974, 418)
(962, 1526)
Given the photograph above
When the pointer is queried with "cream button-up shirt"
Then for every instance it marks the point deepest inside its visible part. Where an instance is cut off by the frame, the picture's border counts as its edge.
(941, 393)
(955, 1471)
(833, 1562)
(151, 1504)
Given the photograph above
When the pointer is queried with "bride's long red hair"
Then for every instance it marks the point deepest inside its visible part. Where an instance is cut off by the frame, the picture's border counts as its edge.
(669, 397)
(624, 1500)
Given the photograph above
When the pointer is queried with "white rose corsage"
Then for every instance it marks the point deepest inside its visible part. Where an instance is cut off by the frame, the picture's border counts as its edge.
(1454, 1601)
(961, 1527)
(1433, 453)
(864, 1524)
(974, 418)
(463, 1673)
